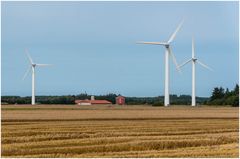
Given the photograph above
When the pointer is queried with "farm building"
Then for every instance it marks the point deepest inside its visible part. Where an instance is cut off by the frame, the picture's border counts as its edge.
(92, 102)
(120, 100)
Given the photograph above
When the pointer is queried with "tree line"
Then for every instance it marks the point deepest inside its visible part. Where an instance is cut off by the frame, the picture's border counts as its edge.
(70, 99)
(219, 96)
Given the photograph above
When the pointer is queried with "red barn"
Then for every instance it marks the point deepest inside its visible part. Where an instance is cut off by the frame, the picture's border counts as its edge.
(120, 100)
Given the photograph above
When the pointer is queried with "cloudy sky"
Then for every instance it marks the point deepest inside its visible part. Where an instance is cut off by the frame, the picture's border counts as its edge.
(92, 46)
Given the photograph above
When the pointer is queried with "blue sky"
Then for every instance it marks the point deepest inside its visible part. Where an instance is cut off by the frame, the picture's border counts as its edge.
(92, 46)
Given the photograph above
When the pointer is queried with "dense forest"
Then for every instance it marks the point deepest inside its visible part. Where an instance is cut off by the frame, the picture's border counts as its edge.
(219, 96)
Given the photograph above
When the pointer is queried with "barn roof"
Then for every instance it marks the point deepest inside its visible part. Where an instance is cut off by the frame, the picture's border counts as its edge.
(93, 101)
(100, 102)
(120, 97)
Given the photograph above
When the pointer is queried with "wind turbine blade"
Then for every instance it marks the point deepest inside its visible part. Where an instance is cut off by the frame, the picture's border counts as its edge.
(29, 57)
(193, 48)
(43, 64)
(175, 33)
(174, 59)
(152, 43)
(204, 65)
(184, 63)
(25, 75)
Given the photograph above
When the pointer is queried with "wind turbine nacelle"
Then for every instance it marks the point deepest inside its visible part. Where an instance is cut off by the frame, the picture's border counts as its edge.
(167, 46)
(194, 59)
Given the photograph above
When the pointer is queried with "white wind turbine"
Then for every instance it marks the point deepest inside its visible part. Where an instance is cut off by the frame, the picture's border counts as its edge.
(194, 61)
(167, 53)
(33, 66)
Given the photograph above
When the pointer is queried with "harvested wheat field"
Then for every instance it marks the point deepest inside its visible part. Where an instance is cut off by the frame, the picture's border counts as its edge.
(119, 131)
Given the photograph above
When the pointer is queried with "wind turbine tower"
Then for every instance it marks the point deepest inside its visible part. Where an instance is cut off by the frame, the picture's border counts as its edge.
(168, 53)
(32, 67)
(194, 61)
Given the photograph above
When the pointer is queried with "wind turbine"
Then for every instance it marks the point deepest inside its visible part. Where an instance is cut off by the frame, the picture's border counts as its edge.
(168, 53)
(194, 61)
(32, 66)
